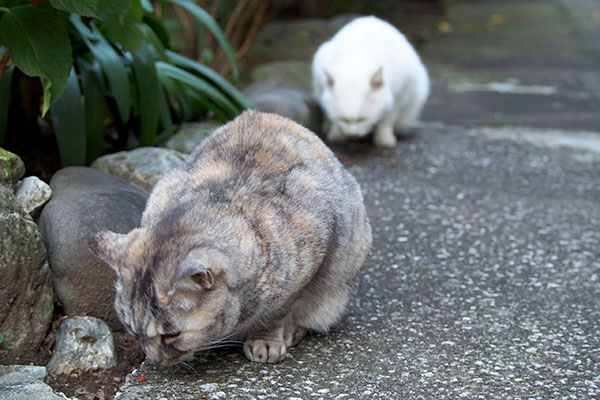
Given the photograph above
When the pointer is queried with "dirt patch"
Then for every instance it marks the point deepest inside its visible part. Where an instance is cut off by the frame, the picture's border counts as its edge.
(101, 384)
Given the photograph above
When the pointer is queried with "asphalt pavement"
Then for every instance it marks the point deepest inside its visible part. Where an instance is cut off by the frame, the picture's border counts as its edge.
(484, 277)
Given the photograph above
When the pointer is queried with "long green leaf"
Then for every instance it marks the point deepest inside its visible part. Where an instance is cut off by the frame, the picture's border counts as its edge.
(39, 46)
(112, 66)
(69, 123)
(5, 92)
(148, 92)
(126, 28)
(95, 108)
(166, 121)
(209, 73)
(203, 87)
(154, 35)
(207, 20)
(89, 8)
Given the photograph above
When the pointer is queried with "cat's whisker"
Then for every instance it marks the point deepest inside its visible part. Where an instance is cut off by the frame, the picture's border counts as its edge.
(188, 366)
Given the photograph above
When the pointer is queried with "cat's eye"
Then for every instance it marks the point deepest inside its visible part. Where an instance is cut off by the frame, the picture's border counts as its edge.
(169, 338)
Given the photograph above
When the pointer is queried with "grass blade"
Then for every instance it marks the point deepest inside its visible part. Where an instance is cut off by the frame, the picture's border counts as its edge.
(69, 123)
(148, 87)
(207, 20)
(210, 74)
(112, 66)
(200, 85)
(5, 91)
(94, 108)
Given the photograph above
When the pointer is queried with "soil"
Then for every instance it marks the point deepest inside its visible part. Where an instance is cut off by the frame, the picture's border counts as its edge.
(101, 384)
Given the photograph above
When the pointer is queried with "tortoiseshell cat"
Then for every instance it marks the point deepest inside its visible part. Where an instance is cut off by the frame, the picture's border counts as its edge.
(259, 236)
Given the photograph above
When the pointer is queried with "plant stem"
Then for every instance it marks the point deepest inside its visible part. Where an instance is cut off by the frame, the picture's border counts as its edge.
(3, 63)
(3, 9)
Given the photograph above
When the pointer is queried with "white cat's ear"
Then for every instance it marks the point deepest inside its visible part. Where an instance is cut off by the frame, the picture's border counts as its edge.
(377, 79)
(329, 79)
(109, 246)
(197, 273)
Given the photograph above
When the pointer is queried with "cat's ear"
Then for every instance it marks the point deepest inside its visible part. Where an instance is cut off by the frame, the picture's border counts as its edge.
(109, 246)
(377, 79)
(197, 272)
(329, 79)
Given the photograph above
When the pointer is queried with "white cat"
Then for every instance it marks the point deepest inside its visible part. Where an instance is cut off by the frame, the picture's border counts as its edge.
(368, 78)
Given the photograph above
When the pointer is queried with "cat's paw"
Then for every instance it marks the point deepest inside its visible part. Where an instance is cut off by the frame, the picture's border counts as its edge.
(261, 350)
(384, 138)
(335, 135)
(294, 336)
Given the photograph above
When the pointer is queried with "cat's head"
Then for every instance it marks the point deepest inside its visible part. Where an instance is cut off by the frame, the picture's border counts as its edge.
(175, 300)
(356, 102)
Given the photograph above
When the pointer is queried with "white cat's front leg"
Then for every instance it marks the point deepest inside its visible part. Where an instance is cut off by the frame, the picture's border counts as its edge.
(384, 135)
(335, 134)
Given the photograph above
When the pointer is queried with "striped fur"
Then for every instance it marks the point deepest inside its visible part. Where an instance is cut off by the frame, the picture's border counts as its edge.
(259, 234)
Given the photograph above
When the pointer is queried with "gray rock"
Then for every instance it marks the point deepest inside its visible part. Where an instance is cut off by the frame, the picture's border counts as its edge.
(296, 73)
(11, 168)
(289, 101)
(26, 296)
(32, 193)
(85, 201)
(82, 343)
(25, 382)
(191, 134)
(142, 167)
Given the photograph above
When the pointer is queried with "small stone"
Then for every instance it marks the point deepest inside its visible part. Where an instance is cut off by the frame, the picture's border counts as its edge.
(11, 168)
(191, 134)
(25, 382)
(84, 343)
(32, 193)
(142, 167)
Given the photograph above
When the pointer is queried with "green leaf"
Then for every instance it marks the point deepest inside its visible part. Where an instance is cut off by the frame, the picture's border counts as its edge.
(112, 66)
(147, 5)
(1, 338)
(155, 32)
(113, 6)
(89, 8)
(148, 92)
(126, 28)
(12, 3)
(207, 20)
(69, 123)
(210, 74)
(39, 46)
(94, 105)
(200, 85)
(5, 92)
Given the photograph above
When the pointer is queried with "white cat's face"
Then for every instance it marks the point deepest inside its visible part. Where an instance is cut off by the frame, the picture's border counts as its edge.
(356, 104)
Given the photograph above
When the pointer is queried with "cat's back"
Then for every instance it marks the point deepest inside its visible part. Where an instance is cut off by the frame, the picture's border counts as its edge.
(257, 159)
(369, 36)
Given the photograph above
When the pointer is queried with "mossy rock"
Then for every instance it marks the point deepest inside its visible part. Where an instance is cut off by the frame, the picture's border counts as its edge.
(11, 168)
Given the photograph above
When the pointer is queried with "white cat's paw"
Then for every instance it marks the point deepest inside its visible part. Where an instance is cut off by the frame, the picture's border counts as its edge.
(384, 138)
(294, 336)
(269, 351)
(335, 135)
